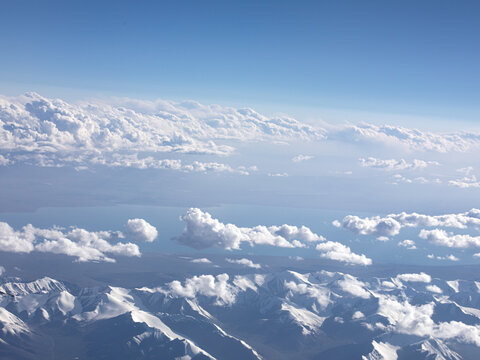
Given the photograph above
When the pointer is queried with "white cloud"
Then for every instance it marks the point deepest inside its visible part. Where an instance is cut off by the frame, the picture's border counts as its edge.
(411, 139)
(450, 257)
(442, 238)
(395, 165)
(51, 132)
(422, 277)
(206, 285)
(149, 162)
(16, 241)
(201, 261)
(391, 224)
(284, 174)
(371, 226)
(398, 178)
(353, 286)
(339, 252)
(244, 262)
(409, 319)
(320, 293)
(140, 230)
(79, 243)
(302, 157)
(409, 244)
(357, 315)
(465, 182)
(203, 231)
(434, 289)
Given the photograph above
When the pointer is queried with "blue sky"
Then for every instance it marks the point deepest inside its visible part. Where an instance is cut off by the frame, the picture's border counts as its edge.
(409, 57)
(362, 112)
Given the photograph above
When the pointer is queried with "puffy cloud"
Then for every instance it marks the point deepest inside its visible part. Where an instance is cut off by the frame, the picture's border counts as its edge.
(301, 157)
(409, 319)
(320, 293)
(357, 315)
(52, 132)
(465, 182)
(339, 252)
(391, 224)
(79, 243)
(140, 230)
(409, 244)
(442, 238)
(16, 241)
(393, 164)
(244, 262)
(353, 286)
(206, 285)
(203, 231)
(422, 277)
(371, 226)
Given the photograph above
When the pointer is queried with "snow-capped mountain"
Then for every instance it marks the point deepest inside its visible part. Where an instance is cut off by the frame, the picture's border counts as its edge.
(284, 315)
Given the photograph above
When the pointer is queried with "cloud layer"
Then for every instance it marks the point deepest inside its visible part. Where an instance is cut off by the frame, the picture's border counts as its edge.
(51, 132)
(395, 165)
(132, 133)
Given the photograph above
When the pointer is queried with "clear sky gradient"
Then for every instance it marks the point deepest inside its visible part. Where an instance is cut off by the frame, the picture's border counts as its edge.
(381, 56)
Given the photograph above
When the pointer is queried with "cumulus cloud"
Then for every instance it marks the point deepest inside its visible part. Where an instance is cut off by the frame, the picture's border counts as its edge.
(51, 132)
(353, 286)
(422, 277)
(465, 182)
(394, 164)
(140, 230)
(450, 257)
(406, 318)
(79, 243)
(245, 262)
(203, 231)
(409, 244)
(301, 157)
(443, 238)
(320, 293)
(371, 226)
(391, 224)
(339, 252)
(206, 285)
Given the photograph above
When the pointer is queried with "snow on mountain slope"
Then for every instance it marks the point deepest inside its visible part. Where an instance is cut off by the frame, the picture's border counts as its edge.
(382, 351)
(275, 316)
(11, 324)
